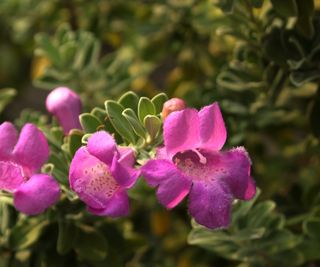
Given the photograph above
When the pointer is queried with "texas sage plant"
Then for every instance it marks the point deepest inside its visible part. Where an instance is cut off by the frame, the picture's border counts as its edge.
(159, 133)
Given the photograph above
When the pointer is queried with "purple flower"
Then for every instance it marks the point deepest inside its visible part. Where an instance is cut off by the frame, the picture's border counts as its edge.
(65, 105)
(101, 173)
(190, 163)
(20, 159)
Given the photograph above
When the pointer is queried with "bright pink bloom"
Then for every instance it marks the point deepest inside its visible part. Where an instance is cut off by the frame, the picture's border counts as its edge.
(20, 159)
(65, 105)
(101, 173)
(191, 163)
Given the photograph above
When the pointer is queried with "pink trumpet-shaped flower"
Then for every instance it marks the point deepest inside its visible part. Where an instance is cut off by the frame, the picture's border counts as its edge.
(65, 105)
(191, 163)
(20, 159)
(101, 173)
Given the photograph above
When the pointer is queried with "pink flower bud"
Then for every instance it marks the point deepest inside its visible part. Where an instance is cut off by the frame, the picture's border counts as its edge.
(65, 105)
(173, 104)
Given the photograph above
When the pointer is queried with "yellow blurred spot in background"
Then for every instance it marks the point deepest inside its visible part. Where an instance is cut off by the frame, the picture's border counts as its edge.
(39, 64)
(113, 38)
(160, 222)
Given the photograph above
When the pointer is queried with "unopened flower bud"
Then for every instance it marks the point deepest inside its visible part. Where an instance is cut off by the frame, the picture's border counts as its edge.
(65, 105)
(173, 104)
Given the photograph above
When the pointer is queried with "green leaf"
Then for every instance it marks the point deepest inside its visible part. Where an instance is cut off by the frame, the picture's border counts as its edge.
(204, 236)
(286, 8)
(119, 122)
(94, 53)
(90, 244)
(226, 5)
(276, 242)
(49, 49)
(314, 117)
(134, 121)
(311, 227)
(62, 32)
(234, 107)
(110, 129)
(57, 133)
(74, 141)
(292, 257)
(47, 168)
(242, 208)
(61, 176)
(4, 217)
(257, 3)
(158, 102)
(310, 249)
(153, 126)
(305, 27)
(145, 107)
(6, 95)
(67, 52)
(89, 122)
(26, 233)
(273, 47)
(85, 42)
(260, 213)
(304, 23)
(300, 77)
(216, 241)
(84, 139)
(129, 100)
(57, 159)
(66, 236)
(99, 113)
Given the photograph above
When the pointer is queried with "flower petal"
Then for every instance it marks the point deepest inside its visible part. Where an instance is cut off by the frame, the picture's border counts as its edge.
(32, 149)
(231, 168)
(117, 206)
(173, 185)
(8, 138)
(161, 153)
(210, 204)
(181, 131)
(10, 176)
(172, 191)
(213, 132)
(36, 195)
(251, 189)
(91, 179)
(237, 164)
(102, 145)
(156, 171)
(127, 156)
(124, 176)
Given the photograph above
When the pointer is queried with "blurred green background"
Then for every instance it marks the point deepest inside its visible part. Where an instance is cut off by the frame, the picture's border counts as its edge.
(259, 59)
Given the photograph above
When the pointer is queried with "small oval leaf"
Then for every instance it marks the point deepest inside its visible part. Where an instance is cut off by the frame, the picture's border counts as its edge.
(119, 122)
(153, 126)
(89, 122)
(134, 121)
(66, 236)
(129, 100)
(158, 101)
(74, 141)
(145, 107)
(90, 244)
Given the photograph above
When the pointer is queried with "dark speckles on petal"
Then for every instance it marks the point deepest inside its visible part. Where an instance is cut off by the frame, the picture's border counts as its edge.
(101, 181)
